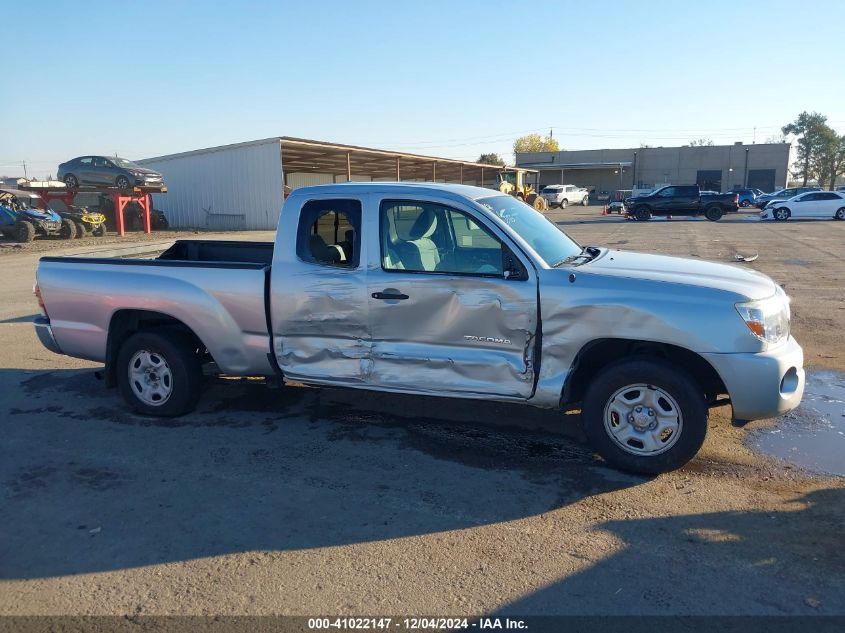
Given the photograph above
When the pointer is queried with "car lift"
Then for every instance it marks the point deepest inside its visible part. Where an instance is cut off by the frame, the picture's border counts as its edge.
(120, 198)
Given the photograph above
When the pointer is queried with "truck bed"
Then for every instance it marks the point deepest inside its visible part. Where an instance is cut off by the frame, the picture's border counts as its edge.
(216, 288)
(220, 251)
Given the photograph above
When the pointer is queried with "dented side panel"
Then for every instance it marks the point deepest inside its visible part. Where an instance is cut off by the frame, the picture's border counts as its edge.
(453, 334)
(318, 312)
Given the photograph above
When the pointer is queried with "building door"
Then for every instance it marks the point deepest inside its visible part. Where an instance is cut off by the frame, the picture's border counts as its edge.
(763, 179)
(709, 179)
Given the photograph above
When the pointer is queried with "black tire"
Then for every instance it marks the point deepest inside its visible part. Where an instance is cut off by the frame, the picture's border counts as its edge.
(81, 229)
(24, 232)
(179, 354)
(745, 204)
(840, 214)
(563, 203)
(585, 201)
(642, 213)
(71, 182)
(68, 229)
(781, 214)
(656, 374)
(99, 230)
(122, 182)
(713, 213)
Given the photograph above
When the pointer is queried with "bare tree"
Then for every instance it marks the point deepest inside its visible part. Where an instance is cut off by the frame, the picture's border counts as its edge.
(702, 142)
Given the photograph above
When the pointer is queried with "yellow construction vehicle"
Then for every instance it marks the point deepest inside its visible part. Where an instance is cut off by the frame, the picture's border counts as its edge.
(514, 184)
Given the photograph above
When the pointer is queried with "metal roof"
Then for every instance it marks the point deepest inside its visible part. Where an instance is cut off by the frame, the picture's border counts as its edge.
(307, 155)
(589, 165)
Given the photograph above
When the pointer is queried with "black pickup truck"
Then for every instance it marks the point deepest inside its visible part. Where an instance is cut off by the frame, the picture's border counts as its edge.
(681, 200)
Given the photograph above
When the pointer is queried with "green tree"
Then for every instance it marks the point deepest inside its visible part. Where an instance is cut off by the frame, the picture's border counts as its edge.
(490, 159)
(829, 162)
(808, 128)
(702, 142)
(535, 143)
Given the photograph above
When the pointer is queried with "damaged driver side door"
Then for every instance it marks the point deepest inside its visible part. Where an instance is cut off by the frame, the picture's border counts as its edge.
(453, 310)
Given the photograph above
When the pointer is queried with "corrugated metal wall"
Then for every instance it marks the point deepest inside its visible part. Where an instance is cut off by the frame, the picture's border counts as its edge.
(230, 188)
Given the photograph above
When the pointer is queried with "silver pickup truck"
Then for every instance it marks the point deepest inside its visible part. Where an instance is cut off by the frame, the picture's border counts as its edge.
(445, 290)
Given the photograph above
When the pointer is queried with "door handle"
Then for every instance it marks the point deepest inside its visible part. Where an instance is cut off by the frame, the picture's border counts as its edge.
(396, 296)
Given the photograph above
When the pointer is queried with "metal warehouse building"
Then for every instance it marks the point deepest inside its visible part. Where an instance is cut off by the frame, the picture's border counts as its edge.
(714, 167)
(242, 186)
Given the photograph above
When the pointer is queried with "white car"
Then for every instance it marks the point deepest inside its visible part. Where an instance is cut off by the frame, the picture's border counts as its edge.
(564, 195)
(813, 204)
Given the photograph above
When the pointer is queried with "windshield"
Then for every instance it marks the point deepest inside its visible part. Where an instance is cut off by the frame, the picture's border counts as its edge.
(550, 243)
(126, 164)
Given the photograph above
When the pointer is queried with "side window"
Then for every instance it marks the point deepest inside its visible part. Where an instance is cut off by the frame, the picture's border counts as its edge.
(85, 161)
(686, 192)
(329, 233)
(432, 238)
(667, 193)
(827, 196)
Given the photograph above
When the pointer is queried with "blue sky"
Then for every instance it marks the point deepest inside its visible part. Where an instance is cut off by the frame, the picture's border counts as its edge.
(442, 78)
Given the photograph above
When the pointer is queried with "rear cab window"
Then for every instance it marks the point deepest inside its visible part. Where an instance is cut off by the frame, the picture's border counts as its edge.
(329, 233)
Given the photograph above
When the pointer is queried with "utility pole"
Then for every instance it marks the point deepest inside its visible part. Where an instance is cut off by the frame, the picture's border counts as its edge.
(24, 170)
(754, 140)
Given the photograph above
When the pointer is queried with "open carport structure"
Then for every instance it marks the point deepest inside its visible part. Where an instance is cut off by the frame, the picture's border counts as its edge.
(242, 186)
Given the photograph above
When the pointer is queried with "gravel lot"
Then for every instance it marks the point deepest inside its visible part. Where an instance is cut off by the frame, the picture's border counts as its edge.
(322, 501)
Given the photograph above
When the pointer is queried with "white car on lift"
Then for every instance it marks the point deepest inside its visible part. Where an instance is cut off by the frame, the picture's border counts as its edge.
(822, 205)
(564, 195)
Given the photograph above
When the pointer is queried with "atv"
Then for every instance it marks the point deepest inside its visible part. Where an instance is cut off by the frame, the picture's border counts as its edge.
(22, 222)
(85, 221)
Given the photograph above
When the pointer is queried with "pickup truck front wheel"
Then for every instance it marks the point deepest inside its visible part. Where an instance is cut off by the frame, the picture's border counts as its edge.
(645, 416)
(642, 213)
(159, 373)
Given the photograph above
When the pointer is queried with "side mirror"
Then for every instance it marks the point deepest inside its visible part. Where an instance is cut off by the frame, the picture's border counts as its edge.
(512, 268)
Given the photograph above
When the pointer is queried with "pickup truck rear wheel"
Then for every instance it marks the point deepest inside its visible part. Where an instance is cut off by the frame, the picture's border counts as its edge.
(159, 373)
(713, 213)
(644, 415)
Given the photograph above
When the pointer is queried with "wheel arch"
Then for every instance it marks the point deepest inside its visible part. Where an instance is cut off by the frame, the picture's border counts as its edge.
(125, 323)
(598, 354)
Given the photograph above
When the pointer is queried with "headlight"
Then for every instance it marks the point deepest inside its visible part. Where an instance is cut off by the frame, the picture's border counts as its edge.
(768, 319)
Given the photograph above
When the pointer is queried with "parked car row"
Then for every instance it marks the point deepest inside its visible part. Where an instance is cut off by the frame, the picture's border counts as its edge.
(814, 204)
(781, 195)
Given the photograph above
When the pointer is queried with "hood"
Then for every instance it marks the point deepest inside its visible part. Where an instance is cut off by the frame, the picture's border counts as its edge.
(38, 214)
(682, 270)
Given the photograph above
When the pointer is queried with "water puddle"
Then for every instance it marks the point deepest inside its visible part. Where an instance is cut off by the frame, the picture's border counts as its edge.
(813, 435)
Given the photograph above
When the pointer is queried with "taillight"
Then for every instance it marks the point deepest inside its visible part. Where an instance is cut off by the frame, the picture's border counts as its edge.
(37, 291)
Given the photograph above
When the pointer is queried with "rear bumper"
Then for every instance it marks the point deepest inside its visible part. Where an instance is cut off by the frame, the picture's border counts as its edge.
(45, 334)
(762, 385)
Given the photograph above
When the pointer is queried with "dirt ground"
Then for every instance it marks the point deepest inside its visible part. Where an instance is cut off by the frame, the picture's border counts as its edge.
(324, 501)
